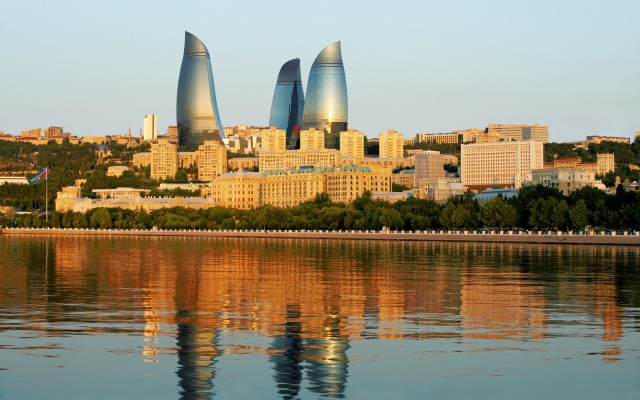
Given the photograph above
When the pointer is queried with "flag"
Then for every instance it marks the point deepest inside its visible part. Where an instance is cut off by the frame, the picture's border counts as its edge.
(41, 177)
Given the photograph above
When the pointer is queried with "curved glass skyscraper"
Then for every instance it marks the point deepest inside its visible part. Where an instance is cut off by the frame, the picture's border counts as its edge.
(288, 101)
(326, 104)
(196, 107)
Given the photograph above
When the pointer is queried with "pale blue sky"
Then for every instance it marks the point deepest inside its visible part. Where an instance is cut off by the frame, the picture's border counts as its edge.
(97, 68)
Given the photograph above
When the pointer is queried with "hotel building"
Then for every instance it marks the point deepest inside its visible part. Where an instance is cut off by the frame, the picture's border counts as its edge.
(505, 164)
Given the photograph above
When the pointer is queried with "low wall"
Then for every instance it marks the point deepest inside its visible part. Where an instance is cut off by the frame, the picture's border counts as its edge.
(609, 238)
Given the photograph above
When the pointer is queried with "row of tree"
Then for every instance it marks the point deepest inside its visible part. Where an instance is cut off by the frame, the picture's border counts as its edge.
(535, 207)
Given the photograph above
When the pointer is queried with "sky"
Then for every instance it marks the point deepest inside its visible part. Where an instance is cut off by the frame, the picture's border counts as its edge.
(96, 68)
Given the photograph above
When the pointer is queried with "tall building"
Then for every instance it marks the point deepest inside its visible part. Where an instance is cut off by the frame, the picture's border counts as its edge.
(520, 131)
(429, 165)
(164, 158)
(326, 106)
(211, 160)
(150, 127)
(509, 163)
(274, 139)
(196, 106)
(352, 143)
(288, 102)
(391, 144)
(312, 139)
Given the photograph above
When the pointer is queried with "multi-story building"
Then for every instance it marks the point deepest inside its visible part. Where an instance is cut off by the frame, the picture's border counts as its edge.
(405, 177)
(196, 106)
(566, 179)
(288, 102)
(599, 139)
(290, 187)
(326, 106)
(440, 138)
(211, 159)
(391, 144)
(604, 163)
(352, 143)
(344, 184)
(241, 189)
(499, 163)
(441, 189)
(172, 131)
(274, 139)
(428, 165)
(536, 132)
(272, 160)
(31, 133)
(187, 159)
(117, 170)
(142, 159)
(406, 142)
(247, 163)
(119, 193)
(312, 139)
(150, 127)
(164, 158)
(53, 131)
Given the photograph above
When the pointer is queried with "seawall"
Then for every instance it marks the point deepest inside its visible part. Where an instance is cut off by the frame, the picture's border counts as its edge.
(608, 238)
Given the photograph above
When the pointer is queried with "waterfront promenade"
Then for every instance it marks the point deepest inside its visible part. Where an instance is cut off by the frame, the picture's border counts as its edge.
(590, 238)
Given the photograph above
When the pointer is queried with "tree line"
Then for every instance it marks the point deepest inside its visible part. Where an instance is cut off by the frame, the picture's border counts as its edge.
(535, 207)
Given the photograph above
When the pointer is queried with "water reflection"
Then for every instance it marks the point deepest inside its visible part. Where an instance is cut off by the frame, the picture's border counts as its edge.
(313, 300)
(287, 352)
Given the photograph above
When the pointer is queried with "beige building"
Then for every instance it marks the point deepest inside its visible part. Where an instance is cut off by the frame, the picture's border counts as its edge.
(274, 139)
(428, 165)
(386, 163)
(352, 143)
(391, 144)
(440, 138)
(172, 131)
(211, 159)
(290, 187)
(187, 159)
(239, 189)
(599, 139)
(53, 131)
(499, 163)
(95, 139)
(536, 132)
(312, 139)
(604, 163)
(405, 177)
(164, 158)
(248, 163)
(32, 133)
(272, 160)
(117, 170)
(441, 189)
(66, 198)
(119, 193)
(565, 180)
(141, 159)
(344, 184)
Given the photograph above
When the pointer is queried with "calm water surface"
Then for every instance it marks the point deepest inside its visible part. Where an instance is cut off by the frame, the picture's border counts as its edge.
(200, 318)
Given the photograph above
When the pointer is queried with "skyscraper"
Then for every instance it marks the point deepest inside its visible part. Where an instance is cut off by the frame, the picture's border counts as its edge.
(196, 106)
(288, 102)
(150, 127)
(326, 105)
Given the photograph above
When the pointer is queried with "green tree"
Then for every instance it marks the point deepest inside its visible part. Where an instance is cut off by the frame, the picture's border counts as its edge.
(101, 218)
(498, 214)
(391, 218)
(579, 215)
(79, 220)
(455, 216)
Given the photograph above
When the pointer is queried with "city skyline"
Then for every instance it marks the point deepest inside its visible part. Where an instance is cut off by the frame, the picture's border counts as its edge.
(414, 67)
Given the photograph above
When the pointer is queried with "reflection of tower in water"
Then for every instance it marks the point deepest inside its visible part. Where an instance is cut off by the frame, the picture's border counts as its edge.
(196, 357)
(287, 358)
(327, 358)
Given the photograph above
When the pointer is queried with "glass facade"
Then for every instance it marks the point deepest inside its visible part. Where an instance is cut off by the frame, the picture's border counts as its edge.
(326, 103)
(196, 107)
(288, 102)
